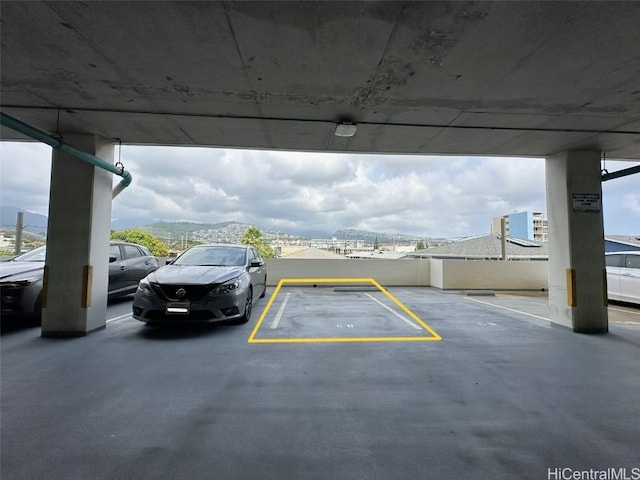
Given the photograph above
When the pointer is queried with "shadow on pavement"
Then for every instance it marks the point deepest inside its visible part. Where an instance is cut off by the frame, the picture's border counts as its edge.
(17, 324)
(174, 331)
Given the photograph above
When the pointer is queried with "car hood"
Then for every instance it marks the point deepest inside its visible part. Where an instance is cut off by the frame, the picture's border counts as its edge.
(12, 269)
(185, 275)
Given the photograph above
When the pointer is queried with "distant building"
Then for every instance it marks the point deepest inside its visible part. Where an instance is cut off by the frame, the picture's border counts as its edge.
(377, 255)
(525, 225)
(312, 253)
(621, 243)
(337, 245)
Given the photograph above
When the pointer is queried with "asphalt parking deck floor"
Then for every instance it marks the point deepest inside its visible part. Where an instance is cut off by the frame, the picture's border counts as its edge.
(341, 314)
(503, 395)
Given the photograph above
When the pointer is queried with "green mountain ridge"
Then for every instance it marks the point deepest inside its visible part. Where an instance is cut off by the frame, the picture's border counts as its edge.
(232, 231)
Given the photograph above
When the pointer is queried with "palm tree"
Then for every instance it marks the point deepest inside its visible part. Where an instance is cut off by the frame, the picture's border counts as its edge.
(252, 236)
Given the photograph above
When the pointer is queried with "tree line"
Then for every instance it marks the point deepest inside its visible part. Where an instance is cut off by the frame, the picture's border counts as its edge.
(252, 236)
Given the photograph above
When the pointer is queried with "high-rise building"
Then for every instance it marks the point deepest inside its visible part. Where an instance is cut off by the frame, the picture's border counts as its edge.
(525, 225)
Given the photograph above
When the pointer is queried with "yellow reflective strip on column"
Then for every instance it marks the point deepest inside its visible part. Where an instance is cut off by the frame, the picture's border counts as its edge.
(45, 286)
(571, 288)
(87, 277)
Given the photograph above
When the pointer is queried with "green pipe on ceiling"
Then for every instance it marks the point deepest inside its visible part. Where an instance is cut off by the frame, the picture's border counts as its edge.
(56, 143)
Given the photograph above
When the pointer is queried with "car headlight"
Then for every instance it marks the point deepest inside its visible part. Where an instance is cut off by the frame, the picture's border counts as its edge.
(228, 287)
(144, 287)
(23, 282)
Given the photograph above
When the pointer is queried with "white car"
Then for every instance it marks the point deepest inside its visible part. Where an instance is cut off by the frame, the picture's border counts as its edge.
(623, 276)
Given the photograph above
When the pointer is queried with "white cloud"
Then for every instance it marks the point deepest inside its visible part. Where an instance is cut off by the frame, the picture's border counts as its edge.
(25, 173)
(295, 191)
(632, 202)
(621, 201)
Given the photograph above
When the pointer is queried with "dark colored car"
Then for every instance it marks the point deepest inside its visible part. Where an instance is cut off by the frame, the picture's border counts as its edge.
(207, 283)
(21, 277)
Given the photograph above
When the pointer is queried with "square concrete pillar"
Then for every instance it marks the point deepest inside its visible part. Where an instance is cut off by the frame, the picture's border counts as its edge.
(577, 278)
(77, 267)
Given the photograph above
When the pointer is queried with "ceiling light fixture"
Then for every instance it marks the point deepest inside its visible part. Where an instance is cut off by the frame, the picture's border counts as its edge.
(345, 129)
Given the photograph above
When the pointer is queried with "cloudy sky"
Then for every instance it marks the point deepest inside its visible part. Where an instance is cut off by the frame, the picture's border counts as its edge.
(301, 192)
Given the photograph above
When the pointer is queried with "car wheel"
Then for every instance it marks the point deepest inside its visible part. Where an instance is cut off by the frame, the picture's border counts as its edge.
(248, 306)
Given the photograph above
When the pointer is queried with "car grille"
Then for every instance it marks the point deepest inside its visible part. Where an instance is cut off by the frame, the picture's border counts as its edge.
(194, 316)
(192, 292)
(11, 299)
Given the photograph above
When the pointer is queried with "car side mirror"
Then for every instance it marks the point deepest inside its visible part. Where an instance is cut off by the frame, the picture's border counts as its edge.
(256, 263)
(169, 261)
(112, 258)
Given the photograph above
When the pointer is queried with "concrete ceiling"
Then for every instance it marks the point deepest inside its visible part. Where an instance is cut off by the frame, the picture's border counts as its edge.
(489, 78)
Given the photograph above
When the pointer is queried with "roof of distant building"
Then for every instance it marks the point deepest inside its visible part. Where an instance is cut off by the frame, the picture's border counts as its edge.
(624, 239)
(487, 246)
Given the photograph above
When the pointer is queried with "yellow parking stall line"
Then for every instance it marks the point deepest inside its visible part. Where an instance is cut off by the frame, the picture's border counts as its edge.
(406, 310)
(344, 339)
(253, 339)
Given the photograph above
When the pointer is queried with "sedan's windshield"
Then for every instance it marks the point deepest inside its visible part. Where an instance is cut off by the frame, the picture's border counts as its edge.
(35, 255)
(212, 256)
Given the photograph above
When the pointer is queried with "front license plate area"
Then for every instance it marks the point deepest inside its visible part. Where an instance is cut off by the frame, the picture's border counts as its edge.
(178, 308)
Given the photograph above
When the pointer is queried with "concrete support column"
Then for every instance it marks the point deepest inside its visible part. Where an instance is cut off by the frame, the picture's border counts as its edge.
(577, 279)
(76, 272)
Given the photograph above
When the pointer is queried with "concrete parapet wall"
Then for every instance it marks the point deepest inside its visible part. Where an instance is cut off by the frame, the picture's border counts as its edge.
(441, 273)
(435, 273)
(490, 274)
(386, 272)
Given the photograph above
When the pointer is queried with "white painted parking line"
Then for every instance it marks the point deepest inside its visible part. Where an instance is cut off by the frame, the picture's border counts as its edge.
(624, 311)
(509, 309)
(121, 317)
(401, 317)
(276, 320)
(548, 319)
